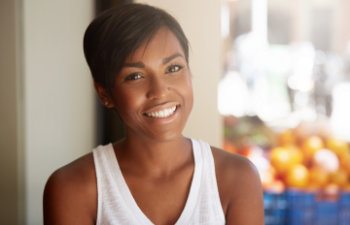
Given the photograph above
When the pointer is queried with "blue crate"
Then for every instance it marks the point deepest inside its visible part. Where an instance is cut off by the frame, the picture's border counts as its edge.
(344, 208)
(301, 207)
(275, 205)
(295, 207)
(327, 212)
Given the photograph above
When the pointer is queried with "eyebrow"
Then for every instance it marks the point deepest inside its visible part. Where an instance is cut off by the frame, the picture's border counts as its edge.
(168, 59)
(142, 65)
(135, 64)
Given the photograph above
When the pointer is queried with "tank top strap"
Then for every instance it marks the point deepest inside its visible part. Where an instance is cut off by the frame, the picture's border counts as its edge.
(209, 209)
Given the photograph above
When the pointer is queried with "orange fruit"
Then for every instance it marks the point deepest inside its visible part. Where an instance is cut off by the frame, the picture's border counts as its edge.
(268, 177)
(287, 137)
(296, 155)
(318, 177)
(297, 176)
(229, 147)
(331, 190)
(245, 150)
(277, 186)
(345, 162)
(340, 178)
(347, 187)
(283, 158)
(311, 145)
(338, 146)
(326, 159)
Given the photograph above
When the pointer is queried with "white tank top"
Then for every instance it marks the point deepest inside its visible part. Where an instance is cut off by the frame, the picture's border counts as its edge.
(116, 204)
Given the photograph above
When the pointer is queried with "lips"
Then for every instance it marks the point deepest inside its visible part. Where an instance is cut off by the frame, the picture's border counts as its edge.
(163, 113)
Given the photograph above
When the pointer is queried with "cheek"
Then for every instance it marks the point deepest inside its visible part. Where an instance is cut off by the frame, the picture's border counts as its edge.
(126, 101)
(188, 93)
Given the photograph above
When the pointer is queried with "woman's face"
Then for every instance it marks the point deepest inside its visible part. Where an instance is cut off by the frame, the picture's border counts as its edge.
(153, 91)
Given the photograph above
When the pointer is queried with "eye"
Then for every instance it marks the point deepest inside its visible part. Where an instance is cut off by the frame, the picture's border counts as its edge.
(173, 68)
(134, 76)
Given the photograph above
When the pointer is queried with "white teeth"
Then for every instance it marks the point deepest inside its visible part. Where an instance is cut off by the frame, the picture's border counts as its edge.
(162, 114)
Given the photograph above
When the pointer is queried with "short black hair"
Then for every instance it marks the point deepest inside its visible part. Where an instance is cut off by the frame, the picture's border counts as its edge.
(116, 33)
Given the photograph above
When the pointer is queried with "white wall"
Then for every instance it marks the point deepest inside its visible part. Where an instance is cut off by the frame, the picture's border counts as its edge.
(58, 93)
(200, 20)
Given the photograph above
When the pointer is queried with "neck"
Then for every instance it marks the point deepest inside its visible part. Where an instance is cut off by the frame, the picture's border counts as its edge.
(154, 157)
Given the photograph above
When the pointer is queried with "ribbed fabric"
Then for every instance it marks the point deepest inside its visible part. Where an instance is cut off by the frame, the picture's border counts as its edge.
(116, 204)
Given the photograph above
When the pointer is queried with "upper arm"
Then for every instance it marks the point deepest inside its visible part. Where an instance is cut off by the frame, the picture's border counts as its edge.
(240, 189)
(68, 199)
(246, 205)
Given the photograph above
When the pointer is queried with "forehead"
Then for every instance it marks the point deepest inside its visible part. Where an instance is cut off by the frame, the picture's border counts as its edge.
(162, 44)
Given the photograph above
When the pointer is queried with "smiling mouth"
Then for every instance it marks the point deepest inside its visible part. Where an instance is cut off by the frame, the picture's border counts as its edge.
(162, 113)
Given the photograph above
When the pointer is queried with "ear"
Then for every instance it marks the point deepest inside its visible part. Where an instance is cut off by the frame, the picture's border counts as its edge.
(103, 95)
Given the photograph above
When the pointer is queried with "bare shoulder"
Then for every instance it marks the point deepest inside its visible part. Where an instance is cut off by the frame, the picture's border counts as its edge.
(70, 195)
(239, 188)
(233, 167)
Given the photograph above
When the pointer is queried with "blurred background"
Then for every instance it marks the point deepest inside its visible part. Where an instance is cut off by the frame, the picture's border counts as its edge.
(274, 88)
(283, 97)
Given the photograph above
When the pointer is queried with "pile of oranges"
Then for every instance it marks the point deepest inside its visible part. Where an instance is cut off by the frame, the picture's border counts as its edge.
(311, 162)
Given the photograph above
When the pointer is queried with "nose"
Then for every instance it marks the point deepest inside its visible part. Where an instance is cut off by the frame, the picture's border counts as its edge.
(158, 88)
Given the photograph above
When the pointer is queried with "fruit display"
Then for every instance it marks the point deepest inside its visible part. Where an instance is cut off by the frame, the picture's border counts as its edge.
(305, 157)
(305, 171)
(312, 163)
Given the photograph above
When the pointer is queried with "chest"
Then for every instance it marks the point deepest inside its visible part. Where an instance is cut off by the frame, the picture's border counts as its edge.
(161, 200)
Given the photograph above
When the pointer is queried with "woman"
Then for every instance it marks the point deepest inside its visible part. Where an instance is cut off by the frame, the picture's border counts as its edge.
(138, 56)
